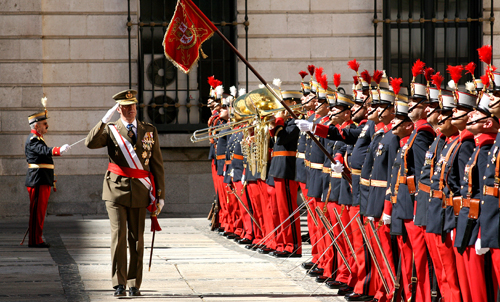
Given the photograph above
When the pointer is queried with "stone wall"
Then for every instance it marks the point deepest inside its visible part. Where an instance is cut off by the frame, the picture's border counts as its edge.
(76, 53)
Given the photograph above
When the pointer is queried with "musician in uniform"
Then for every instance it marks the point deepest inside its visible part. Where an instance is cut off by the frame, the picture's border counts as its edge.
(134, 181)
(40, 176)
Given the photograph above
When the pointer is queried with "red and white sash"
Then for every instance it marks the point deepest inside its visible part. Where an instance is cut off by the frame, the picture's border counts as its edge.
(134, 163)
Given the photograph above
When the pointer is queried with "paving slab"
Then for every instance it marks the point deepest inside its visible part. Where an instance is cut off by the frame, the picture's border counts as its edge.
(189, 263)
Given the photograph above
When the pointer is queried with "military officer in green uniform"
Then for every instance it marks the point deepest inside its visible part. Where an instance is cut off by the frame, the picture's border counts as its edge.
(133, 182)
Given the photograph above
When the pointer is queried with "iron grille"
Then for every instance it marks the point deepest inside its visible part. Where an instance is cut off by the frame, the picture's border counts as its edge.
(439, 32)
(173, 101)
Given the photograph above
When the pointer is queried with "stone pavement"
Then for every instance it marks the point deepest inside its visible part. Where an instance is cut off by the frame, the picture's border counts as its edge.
(190, 263)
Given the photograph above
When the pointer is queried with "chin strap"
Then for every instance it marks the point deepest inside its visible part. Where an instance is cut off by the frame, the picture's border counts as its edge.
(444, 120)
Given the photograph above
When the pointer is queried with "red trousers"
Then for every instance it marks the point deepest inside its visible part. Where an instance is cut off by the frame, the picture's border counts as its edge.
(362, 271)
(474, 267)
(383, 232)
(416, 236)
(224, 218)
(244, 216)
(495, 257)
(325, 251)
(233, 211)
(462, 274)
(39, 197)
(269, 213)
(286, 201)
(342, 271)
(311, 227)
(253, 191)
(445, 266)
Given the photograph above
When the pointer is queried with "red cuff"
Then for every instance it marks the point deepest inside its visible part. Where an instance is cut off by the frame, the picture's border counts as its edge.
(321, 130)
(56, 151)
(272, 131)
(388, 207)
(339, 157)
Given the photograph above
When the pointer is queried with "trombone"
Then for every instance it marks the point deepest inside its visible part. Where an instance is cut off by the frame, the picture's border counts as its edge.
(248, 108)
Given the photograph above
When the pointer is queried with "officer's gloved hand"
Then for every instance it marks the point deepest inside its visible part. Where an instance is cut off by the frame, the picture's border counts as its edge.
(337, 167)
(480, 250)
(159, 206)
(109, 114)
(370, 218)
(386, 218)
(304, 126)
(65, 148)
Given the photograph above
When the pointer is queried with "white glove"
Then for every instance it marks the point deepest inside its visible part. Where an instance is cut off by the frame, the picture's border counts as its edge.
(451, 235)
(109, 114)
(337, 167)
(65, 148)
(370, 218)
(304, 126)
(159, 206)
(243, 178)
(480, 250)
(386, 218)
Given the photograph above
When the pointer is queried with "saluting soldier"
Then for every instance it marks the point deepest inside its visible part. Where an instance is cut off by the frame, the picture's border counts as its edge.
(490, 218)
(484, 126)
(411, 161)
(133, 182)
(40, 176)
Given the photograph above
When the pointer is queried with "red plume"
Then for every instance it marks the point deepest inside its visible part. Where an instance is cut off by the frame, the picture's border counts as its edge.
(437, 79)
(302, 74)
(486, 80)
(323, 81)
(377, 76)
(485, 53)
(353, 65)
(418, 68)
(366, 76)
(428, 72)
(470, 68)
(356, 80)
(211, 81)
(319, 74)
(336, 79)
(455, 72)
(311, 69)
(396, 84)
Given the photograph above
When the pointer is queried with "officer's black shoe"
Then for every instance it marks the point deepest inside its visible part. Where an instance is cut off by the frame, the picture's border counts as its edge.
(251, 247)
(134, 291)
(265, 250)
(335, 284)
(345, 291)
(358, 297)
(237, 238)
(322, 279)
(307, 265)
(40, 245)
(286, 254)
(306, 238)
(315, 272)
(244, 241)
(119, 291)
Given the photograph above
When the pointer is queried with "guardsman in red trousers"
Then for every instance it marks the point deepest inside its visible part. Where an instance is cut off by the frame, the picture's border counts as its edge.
(485, 127)
(40, 176)
(282, 169)
(490, 212)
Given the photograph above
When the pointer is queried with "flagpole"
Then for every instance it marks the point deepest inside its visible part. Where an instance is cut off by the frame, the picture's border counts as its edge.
(345, 174)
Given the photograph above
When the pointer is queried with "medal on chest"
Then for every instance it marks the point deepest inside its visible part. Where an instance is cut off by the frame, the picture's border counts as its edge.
(147, 145)
(494, 155)
(466, 173)
(363, 132)
(428, 158)
(380, 149)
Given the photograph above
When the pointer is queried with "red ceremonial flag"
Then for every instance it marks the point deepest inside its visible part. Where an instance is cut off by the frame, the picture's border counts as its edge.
(187, 30)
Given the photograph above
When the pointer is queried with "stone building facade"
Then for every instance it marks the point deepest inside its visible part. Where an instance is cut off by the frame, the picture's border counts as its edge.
(76, 53)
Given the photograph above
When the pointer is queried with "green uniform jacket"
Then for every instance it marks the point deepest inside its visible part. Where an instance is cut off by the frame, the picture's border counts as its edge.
(129, 192)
